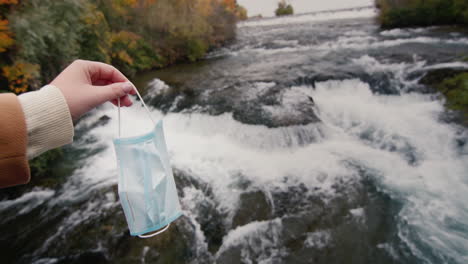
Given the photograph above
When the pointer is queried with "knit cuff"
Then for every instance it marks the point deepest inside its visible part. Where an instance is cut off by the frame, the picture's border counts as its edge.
(48, 120)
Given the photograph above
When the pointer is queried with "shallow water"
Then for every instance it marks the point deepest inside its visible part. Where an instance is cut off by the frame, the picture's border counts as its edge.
(308, 140)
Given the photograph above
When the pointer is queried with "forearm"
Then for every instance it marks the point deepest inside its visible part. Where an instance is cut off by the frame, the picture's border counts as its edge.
(14, 167)
(48, 120)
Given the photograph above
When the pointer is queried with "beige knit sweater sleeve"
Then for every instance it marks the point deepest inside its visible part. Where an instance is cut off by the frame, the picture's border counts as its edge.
(48, 120)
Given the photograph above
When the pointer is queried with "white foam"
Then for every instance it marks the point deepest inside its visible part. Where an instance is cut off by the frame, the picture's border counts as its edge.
(318, 239)
(367, 42)
(353, 42)
(371, 65)
(357, 212)
(257, 240)
(284, 42)
(315, 17)
(157, 86)
(399, 71)
(46, 261)
(456, 64)
(293, 102)
(389, 249)
(25, 203)
(191, 201)
(355, 33)
(431, 188)
(220, 150)
(395, 32)
(30, 200)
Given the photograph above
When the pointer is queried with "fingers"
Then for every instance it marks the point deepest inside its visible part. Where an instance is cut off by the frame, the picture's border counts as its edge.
(113, 91)
(100, 72)
(106, 82)
(124, 101)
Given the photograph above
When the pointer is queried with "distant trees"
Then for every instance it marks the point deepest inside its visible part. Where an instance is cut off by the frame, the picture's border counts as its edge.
(284, 8)
(241, 12)
(407, 13)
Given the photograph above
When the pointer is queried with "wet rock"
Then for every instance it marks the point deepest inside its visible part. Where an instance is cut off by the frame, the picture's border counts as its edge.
(336, 235)
(213, 228)
(291, 200)
(177, 245)
(314, 78)
(264, 107)
(97, 257)
(255, 242)
(253, 206)
(204, 208)
(294, 229)
(308, 255)
(231, 256)
(256, 114)
(381, 83)
(82, 129)
(278, 107)
(103, 120)
(183, 179)
(211, 222)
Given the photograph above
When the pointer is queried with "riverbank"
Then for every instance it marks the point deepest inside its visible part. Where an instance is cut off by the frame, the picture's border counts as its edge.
(422, 13)
(38, 38)
(453, 85)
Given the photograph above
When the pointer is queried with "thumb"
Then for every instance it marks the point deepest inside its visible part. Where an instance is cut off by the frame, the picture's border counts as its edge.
(113, 91)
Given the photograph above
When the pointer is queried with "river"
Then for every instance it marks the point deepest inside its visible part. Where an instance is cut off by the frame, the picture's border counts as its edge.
(307, 140)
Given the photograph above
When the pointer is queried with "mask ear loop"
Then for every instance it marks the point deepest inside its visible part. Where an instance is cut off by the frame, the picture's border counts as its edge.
(157, 233)
(144, 105)
(118, 116)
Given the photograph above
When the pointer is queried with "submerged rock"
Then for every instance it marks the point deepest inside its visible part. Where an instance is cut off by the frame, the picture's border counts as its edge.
(253, 206)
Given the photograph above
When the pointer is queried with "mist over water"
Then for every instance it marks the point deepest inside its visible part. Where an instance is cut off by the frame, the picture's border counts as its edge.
(308, 140)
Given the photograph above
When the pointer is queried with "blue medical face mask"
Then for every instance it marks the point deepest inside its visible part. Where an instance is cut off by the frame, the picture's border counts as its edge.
(147, 189)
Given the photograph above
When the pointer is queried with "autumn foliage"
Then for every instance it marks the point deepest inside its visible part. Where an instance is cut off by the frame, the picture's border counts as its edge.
(20, 75)
(38, 38)
(6, 39)
(13, 77)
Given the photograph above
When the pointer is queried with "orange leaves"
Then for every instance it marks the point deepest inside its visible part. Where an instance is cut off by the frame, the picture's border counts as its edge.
(205, 7)
(239, 11)
(131, 3)
(3, 25)
(123, 56)
(6, 39)
(94, 18)
(126, 38)
(145, 3)
(122, 42)
(13, 74)
(19, 76)
(230, 4)
(8, 2)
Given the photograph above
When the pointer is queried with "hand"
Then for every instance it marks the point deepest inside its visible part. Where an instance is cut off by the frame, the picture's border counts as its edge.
(87, 84)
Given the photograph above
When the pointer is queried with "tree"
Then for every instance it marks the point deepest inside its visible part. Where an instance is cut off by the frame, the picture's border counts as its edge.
(284, 8)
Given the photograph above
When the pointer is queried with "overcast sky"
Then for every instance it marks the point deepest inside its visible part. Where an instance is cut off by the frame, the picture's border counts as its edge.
(267, 7)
